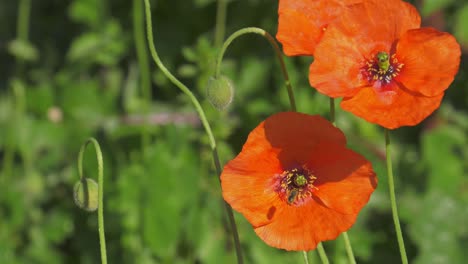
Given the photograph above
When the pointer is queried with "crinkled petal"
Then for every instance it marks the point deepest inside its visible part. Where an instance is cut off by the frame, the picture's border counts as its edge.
(301, 23)
(431, 59)
(345, 179)
(302, 228)
(281, 141)
(295, 135)
(392, 108)
(250, 194)
(355, 37)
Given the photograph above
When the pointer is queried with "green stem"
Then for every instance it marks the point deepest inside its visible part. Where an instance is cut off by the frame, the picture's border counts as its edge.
(228, 208)
(275, 46)
(220, 22)
(172, 78)
(201, 114)
(391, 188)
(22, 26)
(306, 258)
(143, 61)
(332, 111)
(102, 238)
(322, 254)
(349, 248)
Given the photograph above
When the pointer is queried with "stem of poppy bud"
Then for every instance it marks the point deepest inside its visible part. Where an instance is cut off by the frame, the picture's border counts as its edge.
(220, 23)
(275, 46)
(391, 188)
(143, 65)
(322, 254)
(102, 238)
(306, 258)
(201, 114)
(349, 248)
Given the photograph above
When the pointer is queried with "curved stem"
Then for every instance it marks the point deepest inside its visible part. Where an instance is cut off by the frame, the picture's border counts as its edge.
(322, 254)
(306, 258)
(102, 238)
(201, 114)
(391, 189)
(172, 78)
(275, 46)
(142, 56)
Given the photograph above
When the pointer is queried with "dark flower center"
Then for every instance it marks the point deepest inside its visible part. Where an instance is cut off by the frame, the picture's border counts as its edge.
(296, 185)
(382, 68)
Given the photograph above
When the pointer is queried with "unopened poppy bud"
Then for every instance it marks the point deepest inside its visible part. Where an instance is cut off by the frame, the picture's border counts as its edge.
(85, 194)
(220, 92)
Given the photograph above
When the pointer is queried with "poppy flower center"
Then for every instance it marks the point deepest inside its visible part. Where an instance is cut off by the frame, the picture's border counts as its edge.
(296, 185)
(382, 69)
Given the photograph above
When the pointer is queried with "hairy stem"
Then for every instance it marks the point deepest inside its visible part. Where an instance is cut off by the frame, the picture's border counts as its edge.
(275, 46)
(102, 237)
(391, 189)
(201, 114)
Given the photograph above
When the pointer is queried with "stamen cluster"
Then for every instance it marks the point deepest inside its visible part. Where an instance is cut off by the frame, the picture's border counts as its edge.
(382, 69)
(296, 185)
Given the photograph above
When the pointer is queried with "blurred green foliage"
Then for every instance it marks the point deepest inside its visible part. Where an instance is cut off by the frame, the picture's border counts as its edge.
(75, 74)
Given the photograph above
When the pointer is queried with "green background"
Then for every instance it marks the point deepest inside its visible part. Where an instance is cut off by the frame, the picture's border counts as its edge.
(75, 73)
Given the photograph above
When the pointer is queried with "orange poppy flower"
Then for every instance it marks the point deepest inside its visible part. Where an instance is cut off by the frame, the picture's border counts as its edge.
(296, 182)
(301, 23)
(389, 71)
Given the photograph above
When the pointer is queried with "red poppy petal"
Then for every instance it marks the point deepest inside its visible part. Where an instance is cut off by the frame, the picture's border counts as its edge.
(301, 23)
(248, 193)
(355, 36)
(282, 140)
(295, 134)
(302, 228)
(431, 59)
(345, 179)
(393, 108)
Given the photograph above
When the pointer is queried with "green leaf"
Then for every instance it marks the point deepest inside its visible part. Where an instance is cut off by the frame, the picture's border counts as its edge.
(23, 50)
(441, 150)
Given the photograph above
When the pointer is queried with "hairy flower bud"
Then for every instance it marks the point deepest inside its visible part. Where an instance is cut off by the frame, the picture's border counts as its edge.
(85, 194)
(220, 92)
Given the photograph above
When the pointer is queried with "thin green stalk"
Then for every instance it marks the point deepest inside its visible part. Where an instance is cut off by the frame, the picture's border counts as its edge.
(102, 238)
(306, 258)
(332, 111)
(391, 188)
(229, 212)
(143, 62)
(220, 22)
(201, 114)
(22, 26)
(275, 46)
(322, 254)
(349, 248)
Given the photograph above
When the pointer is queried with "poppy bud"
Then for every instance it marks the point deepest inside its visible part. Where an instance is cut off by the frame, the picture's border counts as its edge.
(85, 194)
(220, 92)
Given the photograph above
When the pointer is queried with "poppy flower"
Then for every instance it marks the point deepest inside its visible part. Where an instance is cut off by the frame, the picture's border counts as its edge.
(388, 69)
(301, 23)
(296, 182)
